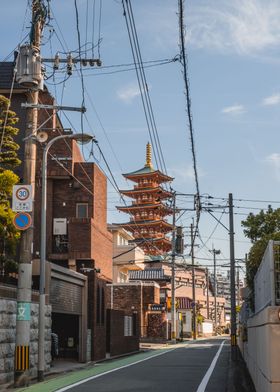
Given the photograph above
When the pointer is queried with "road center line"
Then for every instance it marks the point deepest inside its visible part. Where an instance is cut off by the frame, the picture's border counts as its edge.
(207, 376)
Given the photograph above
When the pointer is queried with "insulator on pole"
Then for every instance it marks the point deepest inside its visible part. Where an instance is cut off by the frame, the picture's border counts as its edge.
(69, 64)
(56, 62)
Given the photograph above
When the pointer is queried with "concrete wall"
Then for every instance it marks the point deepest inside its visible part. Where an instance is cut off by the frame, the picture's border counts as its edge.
(8, 335)
(262, 349)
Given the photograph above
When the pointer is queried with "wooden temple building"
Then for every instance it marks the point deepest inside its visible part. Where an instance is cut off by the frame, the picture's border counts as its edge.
(148, 211)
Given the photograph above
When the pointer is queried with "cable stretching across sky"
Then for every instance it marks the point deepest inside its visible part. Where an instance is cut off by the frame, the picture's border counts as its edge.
(183, 56)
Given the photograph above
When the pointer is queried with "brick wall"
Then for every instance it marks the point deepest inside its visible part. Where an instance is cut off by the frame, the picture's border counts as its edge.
(117, 343)
(98, 329)
(156, 326)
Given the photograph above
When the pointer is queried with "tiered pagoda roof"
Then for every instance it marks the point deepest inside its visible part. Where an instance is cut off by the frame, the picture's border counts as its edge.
(147, 223)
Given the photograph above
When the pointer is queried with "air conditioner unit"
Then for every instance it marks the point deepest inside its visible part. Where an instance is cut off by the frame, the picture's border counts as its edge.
(60, 226)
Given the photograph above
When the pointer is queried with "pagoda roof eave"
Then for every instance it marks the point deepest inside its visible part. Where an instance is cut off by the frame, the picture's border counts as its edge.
(161, 239)
(147, 172)
(146, 223)
(141, 206)
(149, 190)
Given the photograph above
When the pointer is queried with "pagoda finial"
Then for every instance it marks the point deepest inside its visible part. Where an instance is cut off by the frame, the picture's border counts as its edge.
(149, 156)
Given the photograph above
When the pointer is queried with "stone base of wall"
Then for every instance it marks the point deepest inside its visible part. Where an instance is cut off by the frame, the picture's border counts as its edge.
(8, 337)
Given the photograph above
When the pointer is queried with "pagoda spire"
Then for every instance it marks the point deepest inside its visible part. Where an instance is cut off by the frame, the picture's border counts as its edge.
(149, 156)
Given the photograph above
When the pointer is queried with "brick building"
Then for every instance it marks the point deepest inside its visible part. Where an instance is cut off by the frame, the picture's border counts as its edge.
(77, 235)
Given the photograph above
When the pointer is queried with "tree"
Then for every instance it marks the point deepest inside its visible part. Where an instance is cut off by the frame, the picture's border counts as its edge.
(262, 224)
(8, 160)
(259, 228)
(8, 147)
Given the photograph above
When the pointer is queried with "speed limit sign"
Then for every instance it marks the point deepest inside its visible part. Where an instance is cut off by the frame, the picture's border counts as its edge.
(22, 198)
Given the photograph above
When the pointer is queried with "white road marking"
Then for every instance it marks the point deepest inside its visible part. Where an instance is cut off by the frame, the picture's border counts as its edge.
(112, 370)
(207, 376)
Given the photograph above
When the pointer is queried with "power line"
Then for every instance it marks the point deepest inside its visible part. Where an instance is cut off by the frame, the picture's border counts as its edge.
(142, 83)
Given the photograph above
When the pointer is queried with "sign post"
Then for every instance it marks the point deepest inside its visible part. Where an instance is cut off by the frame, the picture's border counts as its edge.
(22, 198)
(22, 220)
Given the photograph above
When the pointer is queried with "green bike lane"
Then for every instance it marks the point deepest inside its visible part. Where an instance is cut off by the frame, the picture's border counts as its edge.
(96, 370)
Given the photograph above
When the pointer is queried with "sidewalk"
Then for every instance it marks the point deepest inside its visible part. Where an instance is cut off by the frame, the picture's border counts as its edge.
(239, 379)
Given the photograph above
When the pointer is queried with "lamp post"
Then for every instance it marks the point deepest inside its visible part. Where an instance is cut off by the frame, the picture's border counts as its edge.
(83, 138)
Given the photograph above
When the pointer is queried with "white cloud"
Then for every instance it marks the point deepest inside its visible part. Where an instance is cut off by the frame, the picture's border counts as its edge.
(274, 160)
(247, 27)
(184, 174)
(234, 109)
(271, 100)
(128, 93)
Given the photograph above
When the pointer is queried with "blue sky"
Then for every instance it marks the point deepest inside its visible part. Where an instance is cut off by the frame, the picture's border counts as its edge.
(233, 61)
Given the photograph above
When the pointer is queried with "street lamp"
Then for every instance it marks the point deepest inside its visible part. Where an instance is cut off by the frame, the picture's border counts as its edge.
(82, 138)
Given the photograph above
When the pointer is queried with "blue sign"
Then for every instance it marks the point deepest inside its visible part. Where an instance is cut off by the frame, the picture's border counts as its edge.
(22, 220)
(23, 311)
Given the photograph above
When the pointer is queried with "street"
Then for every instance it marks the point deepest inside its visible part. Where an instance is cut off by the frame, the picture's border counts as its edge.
(200, 366)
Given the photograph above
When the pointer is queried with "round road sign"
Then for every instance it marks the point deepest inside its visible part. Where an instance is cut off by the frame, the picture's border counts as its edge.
(22, 193)
(22, 220)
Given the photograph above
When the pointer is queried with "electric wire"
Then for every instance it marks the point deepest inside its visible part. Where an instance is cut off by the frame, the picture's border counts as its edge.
(142, 83)
(99, 27)
(80, 68)
(93, 27)
(183, 57)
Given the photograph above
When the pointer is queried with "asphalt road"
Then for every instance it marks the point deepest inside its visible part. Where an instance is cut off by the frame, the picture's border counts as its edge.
(198, 367)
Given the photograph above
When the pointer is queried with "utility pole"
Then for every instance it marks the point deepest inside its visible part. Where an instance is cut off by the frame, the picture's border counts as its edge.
(207, 292)
(173, 305)
(215, 252)
(26, 245)
(238, 286)
(193, 284)
(232, 281)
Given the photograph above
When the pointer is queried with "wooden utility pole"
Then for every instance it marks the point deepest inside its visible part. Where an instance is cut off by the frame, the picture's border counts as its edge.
(22, 350)
(193, 285)
(207, 292)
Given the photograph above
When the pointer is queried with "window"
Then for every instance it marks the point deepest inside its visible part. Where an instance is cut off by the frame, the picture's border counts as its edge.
(122, 277)
(81, 210)
(121, 240)
(128, 326)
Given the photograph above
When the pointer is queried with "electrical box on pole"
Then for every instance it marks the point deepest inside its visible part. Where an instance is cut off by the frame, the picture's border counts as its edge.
(29, 72)
(179, 246)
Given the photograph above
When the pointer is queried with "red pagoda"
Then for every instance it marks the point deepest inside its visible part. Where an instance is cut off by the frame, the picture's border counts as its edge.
(148, 211)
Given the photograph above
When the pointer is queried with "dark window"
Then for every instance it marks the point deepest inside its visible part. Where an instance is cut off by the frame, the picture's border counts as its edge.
(81, 210)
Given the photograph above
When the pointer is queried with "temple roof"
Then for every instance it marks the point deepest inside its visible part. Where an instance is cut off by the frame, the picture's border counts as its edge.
(145, 206)
(148, 170)
(146, 223)
(149, 274)
(151, 240)
(161, 192)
